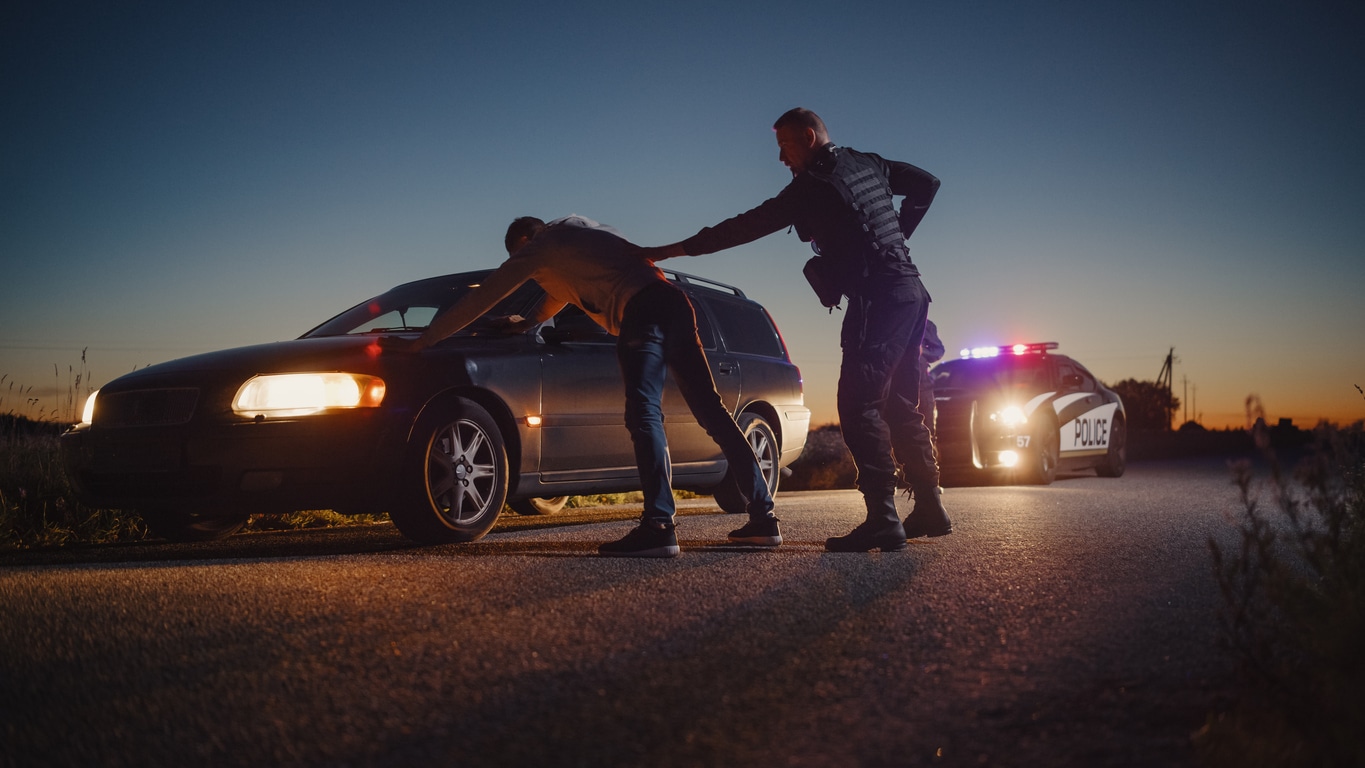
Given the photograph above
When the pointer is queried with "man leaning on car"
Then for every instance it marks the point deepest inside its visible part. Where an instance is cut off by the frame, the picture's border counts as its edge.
(578, 261)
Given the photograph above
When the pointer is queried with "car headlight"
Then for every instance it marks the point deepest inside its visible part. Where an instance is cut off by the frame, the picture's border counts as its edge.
(299, 394)
(1012, 416)
(88, 412)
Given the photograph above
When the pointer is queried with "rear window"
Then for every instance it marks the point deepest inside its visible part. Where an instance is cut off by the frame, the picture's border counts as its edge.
(746, 328)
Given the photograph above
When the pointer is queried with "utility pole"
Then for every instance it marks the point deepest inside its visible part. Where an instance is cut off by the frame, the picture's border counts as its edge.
(1185, 397)
(1163, 382)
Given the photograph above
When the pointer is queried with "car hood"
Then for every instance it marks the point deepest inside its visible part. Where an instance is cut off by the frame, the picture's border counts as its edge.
(360, 354)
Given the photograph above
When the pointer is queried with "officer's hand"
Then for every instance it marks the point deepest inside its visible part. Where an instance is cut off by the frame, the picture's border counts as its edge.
(513, 324)
(660, 252)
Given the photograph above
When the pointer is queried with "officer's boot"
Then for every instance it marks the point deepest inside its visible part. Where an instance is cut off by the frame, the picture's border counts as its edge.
(928, 518)
(881, 530)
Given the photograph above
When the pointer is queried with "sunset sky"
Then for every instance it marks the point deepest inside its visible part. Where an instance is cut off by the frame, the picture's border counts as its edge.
(1121, 178)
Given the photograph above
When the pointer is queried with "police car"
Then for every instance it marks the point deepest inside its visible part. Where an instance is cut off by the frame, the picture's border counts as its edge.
(1023, 412)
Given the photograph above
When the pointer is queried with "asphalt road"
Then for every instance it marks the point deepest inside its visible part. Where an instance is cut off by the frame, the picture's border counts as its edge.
(1066, 625)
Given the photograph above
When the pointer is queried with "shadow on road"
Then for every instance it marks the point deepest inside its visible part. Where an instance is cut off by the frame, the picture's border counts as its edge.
(345, 540)
(264, 545)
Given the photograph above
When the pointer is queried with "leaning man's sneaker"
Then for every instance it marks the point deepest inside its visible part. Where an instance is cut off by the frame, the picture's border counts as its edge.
(646, 540)
(762, 532)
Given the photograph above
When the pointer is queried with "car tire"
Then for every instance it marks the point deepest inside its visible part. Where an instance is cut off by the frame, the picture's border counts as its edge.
(763, 441)
(1043, 467)
(1116, 460)
(177, 525)
(454, 478)
(538, 506)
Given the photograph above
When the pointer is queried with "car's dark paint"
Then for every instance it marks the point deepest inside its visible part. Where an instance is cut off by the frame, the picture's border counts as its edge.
(204, 458)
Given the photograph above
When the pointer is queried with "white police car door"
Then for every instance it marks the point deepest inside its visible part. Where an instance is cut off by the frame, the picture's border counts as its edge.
(1084, 417)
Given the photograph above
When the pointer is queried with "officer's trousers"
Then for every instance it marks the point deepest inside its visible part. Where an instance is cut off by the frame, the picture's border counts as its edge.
(879, 384)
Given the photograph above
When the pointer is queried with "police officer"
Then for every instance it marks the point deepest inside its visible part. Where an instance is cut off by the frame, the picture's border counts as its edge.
(840, 201)
(931, 351)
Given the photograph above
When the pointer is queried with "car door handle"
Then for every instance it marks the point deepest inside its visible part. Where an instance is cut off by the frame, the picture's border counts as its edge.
(725, 369)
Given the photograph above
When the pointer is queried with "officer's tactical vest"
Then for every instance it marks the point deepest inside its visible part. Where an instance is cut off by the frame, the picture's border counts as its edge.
(862, 187)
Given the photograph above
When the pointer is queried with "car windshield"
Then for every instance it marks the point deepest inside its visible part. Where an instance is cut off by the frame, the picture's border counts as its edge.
(411, 307)
(1008, 372)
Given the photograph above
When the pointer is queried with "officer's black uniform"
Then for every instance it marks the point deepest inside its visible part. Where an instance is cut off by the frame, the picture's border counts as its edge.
(842, 204)
(931, 351)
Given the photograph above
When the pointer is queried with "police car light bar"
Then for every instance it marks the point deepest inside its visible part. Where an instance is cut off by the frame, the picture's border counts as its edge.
(1012, 349)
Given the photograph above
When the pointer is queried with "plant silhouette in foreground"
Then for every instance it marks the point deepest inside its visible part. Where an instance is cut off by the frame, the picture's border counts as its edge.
(1293, 584)
(38, 506)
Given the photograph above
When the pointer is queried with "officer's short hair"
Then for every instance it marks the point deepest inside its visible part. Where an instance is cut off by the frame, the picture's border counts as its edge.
(526, 226)
(802, 118)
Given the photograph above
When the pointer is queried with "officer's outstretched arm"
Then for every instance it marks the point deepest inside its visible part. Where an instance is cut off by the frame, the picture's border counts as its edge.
(661, 252)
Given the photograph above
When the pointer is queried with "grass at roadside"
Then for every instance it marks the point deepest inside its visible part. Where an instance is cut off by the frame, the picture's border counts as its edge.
(37, 503)
(38, 506)
(1294, 610)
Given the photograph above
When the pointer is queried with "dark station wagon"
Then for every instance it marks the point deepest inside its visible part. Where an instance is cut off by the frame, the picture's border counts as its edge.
(441, 439)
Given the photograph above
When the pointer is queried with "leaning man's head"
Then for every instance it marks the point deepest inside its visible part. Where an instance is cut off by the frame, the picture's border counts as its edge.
(520, 232)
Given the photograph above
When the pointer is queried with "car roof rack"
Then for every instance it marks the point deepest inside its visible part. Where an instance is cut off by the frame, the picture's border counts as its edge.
(675, 276)
(682, 277)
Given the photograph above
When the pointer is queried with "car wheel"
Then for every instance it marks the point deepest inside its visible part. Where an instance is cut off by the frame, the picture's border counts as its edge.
(1043, 469)
(454, 476)
(1116, 460)
(177, 525)
(763, 441)
(540, 506)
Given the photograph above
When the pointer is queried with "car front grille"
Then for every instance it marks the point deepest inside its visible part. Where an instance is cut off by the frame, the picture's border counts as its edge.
(130, 488)
(146, 407)
(954, 431)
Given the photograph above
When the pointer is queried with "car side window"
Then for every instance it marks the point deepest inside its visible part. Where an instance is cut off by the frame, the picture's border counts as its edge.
(1088, 383)
(1074, 377)
(745, 328)
(573, 324)
(705, 330)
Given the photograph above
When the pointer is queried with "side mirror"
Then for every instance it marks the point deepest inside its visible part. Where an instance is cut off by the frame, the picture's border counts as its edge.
(552, 335)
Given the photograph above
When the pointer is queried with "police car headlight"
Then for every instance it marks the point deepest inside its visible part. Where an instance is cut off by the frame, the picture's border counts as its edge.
(299, 394)
(1009, 459)
(1012, 416)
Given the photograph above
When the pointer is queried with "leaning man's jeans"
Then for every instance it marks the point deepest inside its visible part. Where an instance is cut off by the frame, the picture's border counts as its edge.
(658, 335)
(879, 388)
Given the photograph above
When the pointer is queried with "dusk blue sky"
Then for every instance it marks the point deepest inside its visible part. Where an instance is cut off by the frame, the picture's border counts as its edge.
(1121, 178)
